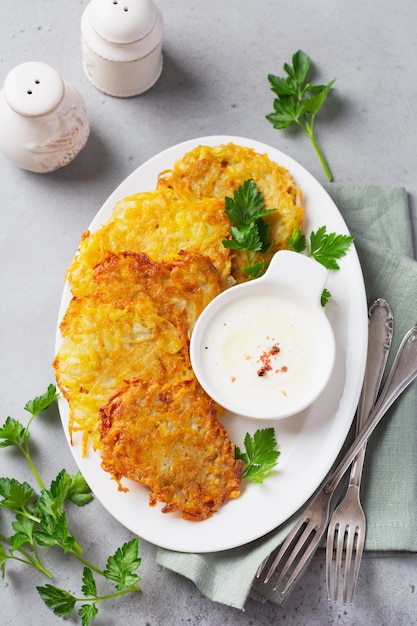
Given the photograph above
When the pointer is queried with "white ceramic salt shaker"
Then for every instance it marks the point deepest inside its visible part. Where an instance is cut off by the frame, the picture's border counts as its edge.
(121, 44)
(43, 119)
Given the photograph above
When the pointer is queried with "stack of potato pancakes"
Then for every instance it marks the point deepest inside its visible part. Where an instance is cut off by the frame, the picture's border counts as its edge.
(138, 285)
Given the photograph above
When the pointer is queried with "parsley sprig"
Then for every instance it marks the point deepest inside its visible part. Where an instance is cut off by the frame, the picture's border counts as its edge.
(120, 568)
(298, 101)
(260, 456)
(40, 522)
(249, 232)
(326, 248)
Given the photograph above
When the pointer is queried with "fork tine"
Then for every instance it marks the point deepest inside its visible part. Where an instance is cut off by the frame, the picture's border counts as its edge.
(360, 543)
(330, 549)
(341, 533)
(300, 544)
(289, 541)
(303, 560)
(346, 541)
(298, 558)
(350, 541)
(262, 566)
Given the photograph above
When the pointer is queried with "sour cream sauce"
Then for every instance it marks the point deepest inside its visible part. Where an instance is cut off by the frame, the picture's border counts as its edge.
(261, 352)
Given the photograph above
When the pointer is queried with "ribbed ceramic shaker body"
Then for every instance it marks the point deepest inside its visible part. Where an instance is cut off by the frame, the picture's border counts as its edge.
(43, 119)
(122, 45)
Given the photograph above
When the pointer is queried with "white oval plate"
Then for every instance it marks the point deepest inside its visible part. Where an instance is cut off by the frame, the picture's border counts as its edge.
(309, 442)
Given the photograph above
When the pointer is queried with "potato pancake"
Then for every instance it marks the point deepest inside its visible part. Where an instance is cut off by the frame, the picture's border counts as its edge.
(179, 290)
(169, 438)
(159, 223)
(216, 172)
(105, 345)
(138, 322)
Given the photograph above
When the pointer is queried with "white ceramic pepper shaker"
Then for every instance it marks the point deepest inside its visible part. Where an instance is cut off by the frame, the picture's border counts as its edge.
(121, 44)
(43, 119)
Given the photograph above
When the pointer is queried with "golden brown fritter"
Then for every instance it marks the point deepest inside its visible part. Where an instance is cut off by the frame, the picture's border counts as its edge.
(137, 323)
(217, 171)
(159, 223)
(168, 437)
(105, 345)
(180, 290)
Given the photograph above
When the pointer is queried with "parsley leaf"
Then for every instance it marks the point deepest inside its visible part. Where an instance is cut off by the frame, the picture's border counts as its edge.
(89, 587)
(122, 565)
(15, 495)
(41, 403)
(87, 613)
(13, 433)
(79, 492)
(246, 205)
(24, 531)
(60, 601)
(248, 232)
(73, 488)
(3, 559)
(244, 238)
(298, 101)
(260, 456)
(325, 297)
(297, 242)
(327, 247)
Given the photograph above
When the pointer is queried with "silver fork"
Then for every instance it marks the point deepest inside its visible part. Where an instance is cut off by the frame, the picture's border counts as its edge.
(302, 542)
(347, 528)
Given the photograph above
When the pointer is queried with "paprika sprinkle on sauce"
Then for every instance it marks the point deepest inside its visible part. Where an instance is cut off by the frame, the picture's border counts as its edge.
(266, 360)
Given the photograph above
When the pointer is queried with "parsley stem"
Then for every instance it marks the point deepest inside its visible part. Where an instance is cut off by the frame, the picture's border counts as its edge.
(24, 449)
(33, 468)
(27, 514)
(307, 127)
(108, 596)
(84, 561)
(32, 563)
(320, 154)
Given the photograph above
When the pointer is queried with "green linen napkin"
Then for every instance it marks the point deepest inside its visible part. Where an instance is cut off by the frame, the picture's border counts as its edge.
(378, 218)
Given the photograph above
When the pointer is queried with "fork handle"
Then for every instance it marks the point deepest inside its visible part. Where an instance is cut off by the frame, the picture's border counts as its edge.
(403, 372)
(380, 333)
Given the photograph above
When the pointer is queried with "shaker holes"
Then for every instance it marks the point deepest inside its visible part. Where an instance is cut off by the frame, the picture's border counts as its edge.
(29, 91)
(124, 8)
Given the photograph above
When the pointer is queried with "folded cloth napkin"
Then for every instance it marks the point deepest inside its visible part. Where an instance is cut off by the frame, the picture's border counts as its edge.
(378, 218)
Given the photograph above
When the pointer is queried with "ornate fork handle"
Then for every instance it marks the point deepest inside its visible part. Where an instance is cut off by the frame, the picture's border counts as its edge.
(381, 327)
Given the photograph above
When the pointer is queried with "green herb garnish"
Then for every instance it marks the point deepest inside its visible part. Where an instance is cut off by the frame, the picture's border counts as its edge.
(40, 522)
(298, 101)
(325, 248)
(260, 456)
(249, 232)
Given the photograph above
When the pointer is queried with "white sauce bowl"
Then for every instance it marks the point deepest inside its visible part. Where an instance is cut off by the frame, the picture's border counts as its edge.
(265, 349)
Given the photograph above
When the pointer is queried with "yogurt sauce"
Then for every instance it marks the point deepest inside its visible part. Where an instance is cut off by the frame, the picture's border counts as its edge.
(262, 353)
